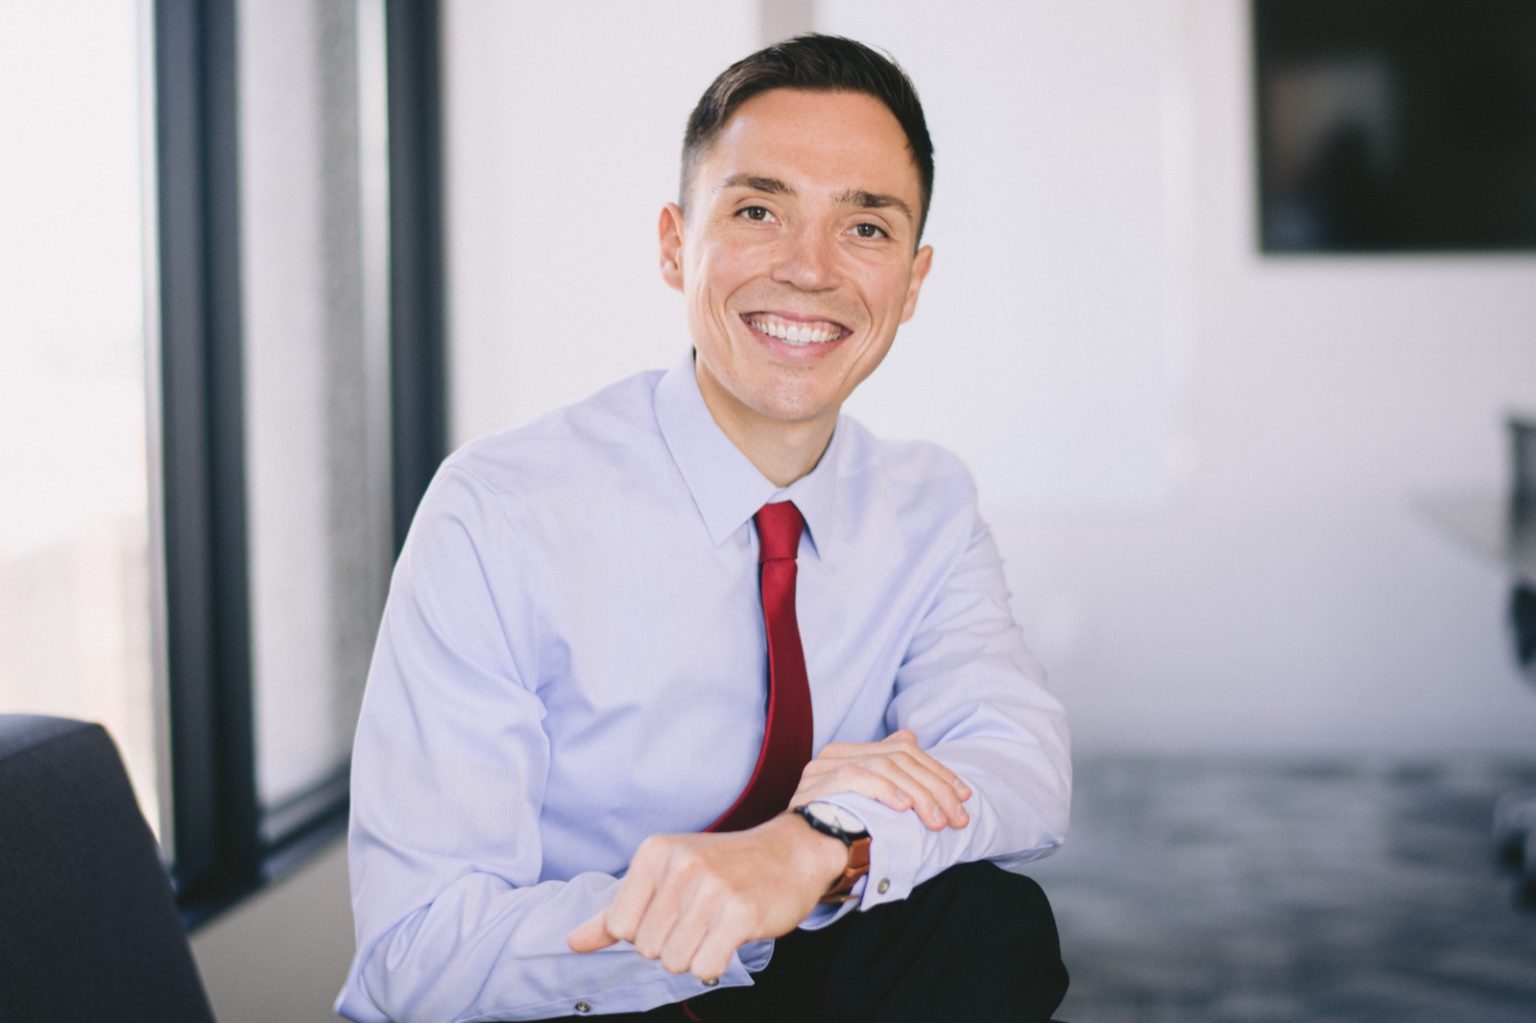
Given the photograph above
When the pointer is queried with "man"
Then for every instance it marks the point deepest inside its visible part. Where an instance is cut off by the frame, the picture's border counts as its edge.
(569, 797)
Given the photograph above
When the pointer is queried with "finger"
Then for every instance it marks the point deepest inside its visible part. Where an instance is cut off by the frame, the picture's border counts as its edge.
(932, 800)
(633, 896)
(925, 785)
(881, 779)
(683, 942)
(905, 739)
(851, 778)
(937, 801)
(859, 779)
(661, 913)
(822, 775)
(932, 763)
(722, 937)
(930, 796)
(591, 935)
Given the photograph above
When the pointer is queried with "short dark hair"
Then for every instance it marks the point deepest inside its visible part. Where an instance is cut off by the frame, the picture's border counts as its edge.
(812, 63)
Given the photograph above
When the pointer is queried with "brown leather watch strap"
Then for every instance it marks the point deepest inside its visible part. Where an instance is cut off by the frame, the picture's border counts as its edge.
(858, 866)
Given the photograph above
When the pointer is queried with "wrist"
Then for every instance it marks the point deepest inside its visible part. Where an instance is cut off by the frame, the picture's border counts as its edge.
(847, 830)
(819, 859)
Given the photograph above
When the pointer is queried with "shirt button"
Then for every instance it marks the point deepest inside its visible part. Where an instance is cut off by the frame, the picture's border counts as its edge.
(711, 982)
(583, 1007)
(884, 885)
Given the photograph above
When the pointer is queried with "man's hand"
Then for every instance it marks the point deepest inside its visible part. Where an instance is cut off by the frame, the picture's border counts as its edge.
(893, 771)
(693, 900)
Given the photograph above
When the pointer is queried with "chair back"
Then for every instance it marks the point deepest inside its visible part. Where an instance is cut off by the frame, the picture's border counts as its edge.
(89, 927)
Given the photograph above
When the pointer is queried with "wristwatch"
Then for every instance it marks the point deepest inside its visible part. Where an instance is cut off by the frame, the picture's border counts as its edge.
(848, 829)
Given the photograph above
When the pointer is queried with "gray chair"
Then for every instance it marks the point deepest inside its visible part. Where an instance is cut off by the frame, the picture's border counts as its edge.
(88, 922)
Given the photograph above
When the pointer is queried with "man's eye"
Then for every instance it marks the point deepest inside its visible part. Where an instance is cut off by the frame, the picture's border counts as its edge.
(757, 213)
(869, 231)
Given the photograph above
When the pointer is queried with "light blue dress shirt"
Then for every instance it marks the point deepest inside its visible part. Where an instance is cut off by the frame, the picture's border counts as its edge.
(572, 659)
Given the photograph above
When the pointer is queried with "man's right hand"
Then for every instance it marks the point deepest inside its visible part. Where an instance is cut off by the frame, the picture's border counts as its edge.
(893, 771)
(692, 900)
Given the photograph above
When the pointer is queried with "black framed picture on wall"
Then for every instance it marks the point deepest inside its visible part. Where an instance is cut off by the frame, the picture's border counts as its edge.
(1395, 125)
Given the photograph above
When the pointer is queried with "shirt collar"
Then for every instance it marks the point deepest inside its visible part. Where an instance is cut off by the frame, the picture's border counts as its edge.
(726, 487)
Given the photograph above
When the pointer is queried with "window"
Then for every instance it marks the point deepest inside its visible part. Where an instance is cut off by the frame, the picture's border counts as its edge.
(313, 151)
(223, 395)
(77, 586)
(302, 398)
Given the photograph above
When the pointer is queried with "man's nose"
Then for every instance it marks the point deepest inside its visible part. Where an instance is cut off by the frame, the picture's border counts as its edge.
(808, 260)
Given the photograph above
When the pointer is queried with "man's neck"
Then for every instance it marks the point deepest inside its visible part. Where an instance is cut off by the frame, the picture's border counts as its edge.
(784, 459)
(781, 451)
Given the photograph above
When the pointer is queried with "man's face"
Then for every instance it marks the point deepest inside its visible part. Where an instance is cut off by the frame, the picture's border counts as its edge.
(797, 259)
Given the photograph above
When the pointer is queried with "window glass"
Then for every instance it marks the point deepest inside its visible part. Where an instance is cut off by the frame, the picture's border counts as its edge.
(313, 160)
(77, 618)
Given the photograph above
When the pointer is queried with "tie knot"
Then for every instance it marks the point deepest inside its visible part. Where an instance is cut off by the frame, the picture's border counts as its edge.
(778, 531)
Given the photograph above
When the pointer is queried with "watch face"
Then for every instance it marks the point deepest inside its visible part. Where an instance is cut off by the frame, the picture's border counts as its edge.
(836, 816)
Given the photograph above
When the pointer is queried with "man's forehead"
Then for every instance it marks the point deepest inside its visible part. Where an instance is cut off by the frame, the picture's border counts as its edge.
(809, 109)
(852, 131)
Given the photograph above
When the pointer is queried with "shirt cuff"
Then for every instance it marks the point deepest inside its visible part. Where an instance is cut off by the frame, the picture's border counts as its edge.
(831, 913)
(895, 854)
(754, 955)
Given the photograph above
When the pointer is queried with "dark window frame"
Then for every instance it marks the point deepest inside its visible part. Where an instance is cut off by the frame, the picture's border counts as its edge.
(223, 846)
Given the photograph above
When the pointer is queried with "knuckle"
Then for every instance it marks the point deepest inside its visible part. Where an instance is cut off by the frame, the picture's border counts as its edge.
(736, 918)
(684, 860)
(708, 888)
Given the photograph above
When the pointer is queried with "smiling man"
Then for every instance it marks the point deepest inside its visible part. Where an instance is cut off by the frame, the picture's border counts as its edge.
(696, 701)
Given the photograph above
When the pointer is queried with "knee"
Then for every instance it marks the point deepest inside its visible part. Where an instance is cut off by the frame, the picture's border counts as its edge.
(986, 887)
(999, 932)
(984, 903)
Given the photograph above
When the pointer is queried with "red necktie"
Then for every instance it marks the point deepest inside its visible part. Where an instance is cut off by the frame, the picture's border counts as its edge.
(787, 735)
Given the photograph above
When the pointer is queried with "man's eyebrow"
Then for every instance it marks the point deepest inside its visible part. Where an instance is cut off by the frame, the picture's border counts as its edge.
(862, 198)
(773, 186)
(874, 201)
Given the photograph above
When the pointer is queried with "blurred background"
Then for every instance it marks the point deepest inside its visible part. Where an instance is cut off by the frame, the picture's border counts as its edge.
(1215, 431)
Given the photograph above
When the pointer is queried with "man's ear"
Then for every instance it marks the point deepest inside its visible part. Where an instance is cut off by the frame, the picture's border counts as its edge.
(921, 263)
(669, 231)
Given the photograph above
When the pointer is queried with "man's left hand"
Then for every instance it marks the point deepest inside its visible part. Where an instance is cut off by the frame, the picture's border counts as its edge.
(692, 900)
(895, 771)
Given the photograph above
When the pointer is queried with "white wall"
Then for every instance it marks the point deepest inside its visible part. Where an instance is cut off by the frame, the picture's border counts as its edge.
(1202, 464)
(562, 127)
(1289, 596)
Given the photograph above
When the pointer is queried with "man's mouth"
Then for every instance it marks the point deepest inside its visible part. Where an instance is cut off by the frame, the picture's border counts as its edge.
(795, 332)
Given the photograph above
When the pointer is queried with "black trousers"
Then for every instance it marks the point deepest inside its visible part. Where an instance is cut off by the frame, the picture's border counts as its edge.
(976, 942)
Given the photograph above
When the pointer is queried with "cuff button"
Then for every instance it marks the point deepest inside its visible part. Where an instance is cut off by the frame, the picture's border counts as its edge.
(583, 1007)
(884, 885)
(712, 982)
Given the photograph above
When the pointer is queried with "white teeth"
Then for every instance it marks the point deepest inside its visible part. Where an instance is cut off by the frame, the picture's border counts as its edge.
(796, 333)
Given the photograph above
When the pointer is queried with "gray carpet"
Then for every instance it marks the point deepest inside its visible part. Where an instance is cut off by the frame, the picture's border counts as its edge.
(1251, 891)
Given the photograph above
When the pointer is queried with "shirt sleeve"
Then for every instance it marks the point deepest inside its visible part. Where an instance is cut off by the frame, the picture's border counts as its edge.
(448, 775)
(976, 699)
